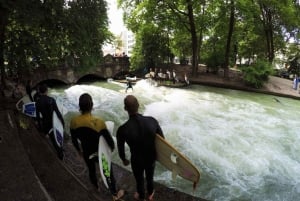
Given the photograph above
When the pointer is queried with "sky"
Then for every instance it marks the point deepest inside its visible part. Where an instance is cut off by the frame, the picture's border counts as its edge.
(115, 17)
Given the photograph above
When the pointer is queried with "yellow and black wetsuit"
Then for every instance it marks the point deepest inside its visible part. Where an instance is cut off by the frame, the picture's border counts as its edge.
(87, 129)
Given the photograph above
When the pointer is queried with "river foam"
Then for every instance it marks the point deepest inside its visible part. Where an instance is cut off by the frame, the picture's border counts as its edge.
(246, 145)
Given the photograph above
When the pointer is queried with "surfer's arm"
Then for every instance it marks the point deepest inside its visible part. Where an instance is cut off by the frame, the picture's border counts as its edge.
(108, 138)
(159, 130)
(38, 118)
(55, 108)
(121, 146)
(74, 140)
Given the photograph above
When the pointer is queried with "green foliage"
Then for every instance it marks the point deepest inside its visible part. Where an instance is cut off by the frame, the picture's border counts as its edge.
(47, 34)
(255, 34)
(214, 61)
(258, 73)
(41, 33)
(151, 48)
(181, 44)
(87, 30)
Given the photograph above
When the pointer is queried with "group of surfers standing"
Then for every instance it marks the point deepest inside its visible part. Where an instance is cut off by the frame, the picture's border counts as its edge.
(138, 132)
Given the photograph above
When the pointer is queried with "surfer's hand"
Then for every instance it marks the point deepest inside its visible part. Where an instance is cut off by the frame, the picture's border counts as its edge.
(126, 162)
(80, 154)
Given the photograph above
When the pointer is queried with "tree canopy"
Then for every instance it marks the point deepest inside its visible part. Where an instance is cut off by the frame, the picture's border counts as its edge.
(219, 33)
(51, 33)
(215, 32)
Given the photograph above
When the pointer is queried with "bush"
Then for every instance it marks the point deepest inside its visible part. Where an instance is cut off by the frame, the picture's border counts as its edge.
(214, 61)
(257, 74)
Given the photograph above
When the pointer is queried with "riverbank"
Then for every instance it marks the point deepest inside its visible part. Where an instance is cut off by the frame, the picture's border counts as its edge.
(31, 168)
(275, 86)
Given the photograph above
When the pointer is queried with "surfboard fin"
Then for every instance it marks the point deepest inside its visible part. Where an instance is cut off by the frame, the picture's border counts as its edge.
(174, 158)
(194, 186)
(93, 155)
(174, 174)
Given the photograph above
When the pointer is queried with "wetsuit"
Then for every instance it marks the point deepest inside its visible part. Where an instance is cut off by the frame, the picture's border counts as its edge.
(139, 133)
(88, 129)
(45, 106)
(129, 85)
(29, 91)
(36, 96)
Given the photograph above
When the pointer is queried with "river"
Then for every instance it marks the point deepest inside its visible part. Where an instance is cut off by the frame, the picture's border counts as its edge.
(246, 145)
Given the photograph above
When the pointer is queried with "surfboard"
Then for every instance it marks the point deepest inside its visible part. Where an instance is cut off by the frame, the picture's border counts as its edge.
(104, 156)
(129, 91)
(24, 100)
(110, 126)
(58, 129)
(29, 109)
(173, 160)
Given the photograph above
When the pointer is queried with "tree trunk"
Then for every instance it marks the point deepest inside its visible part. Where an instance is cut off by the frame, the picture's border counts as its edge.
(194, 37)
(271, 49)
(229, 36)
(3, 24)
(267, 23)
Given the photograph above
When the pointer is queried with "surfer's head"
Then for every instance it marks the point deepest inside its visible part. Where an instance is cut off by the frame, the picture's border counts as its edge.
(85, 103)
(131, 104)
(43, 88)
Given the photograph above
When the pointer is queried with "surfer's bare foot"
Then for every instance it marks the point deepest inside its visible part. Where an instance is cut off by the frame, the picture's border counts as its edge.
(136, 196)
(151, 196)
(119, 195)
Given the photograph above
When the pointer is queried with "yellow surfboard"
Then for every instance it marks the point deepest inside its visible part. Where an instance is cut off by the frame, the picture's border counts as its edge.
(176, 162)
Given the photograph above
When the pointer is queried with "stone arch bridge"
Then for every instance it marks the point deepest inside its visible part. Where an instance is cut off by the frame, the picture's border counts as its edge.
(70, 76)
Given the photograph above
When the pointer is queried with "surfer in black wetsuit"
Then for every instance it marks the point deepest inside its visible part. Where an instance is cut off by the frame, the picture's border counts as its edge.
(45, 106)
(29, 90)
(139, 133)
(129, 86)
(87, 129)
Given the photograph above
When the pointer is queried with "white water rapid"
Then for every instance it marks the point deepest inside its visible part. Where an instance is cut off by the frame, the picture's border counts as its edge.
(246, 145)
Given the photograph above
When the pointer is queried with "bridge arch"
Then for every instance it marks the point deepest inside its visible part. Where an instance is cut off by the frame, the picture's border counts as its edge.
(89, 77)
(69, 76)
(51, 83)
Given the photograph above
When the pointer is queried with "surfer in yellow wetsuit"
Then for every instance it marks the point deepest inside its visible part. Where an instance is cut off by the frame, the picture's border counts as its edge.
(87, 129)
(139, 133)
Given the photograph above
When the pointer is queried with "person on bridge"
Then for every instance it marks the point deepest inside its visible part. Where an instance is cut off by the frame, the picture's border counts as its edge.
(139, 133)
(87, 129)
(45, 106)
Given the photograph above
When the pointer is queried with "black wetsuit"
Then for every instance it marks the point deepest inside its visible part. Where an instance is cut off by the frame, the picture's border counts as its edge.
(45, 106)
(36, 96)
(29, 91)
(129, 85)
(139, 133)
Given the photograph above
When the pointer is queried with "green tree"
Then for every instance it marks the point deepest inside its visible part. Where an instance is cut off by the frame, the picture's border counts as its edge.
(151, 48)
(87, 31)
(46, 34)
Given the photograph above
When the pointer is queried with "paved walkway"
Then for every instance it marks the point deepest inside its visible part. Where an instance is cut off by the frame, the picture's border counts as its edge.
(275, 86)
(29, 168)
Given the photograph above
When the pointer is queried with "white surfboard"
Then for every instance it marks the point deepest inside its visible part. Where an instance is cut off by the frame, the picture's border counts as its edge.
(104, 156)
(24, 100)
(58, 130)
